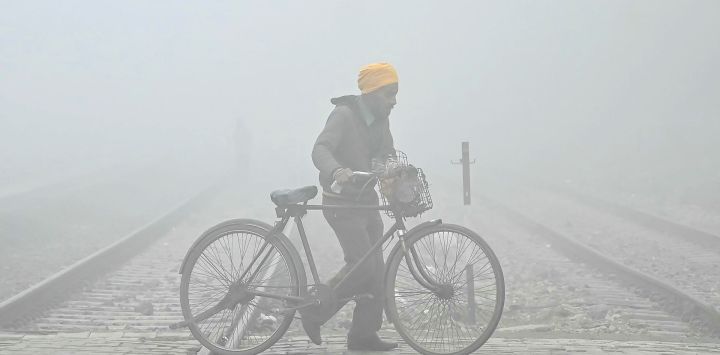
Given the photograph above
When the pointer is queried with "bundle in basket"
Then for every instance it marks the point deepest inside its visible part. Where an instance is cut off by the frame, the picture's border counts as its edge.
(405, 189)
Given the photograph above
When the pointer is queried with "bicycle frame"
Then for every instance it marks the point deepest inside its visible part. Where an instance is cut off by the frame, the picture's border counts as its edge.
(260, 289)
(298, 211)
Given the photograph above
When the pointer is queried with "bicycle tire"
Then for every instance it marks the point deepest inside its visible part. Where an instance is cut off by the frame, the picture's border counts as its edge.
(286, 261)
(404, 295)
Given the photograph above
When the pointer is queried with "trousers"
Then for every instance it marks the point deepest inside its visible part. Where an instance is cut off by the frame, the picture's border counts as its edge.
(357, 231)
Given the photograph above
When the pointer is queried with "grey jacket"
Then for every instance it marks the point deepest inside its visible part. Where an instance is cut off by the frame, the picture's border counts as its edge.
(348, 142)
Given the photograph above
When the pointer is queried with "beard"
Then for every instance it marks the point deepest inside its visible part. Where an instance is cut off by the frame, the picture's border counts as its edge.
(380, 112)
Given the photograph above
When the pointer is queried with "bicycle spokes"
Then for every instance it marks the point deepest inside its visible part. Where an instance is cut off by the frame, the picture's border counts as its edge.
(455, 301)
(236, 284)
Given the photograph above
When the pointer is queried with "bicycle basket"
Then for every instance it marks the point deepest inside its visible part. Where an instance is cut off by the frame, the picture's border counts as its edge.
(403, 187)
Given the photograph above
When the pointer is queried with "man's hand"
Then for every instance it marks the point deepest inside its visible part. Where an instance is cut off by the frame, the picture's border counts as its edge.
(342, 175)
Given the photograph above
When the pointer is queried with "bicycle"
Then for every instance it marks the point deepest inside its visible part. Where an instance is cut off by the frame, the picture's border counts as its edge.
(437, 297)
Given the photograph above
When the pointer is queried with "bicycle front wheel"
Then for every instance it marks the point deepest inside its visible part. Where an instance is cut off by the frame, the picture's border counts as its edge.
(218, 289)
(462, 311)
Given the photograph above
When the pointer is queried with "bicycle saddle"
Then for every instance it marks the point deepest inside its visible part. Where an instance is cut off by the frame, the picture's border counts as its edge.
(295, 196)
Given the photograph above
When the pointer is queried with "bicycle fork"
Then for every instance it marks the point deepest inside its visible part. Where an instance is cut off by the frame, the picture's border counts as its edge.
(420, 273)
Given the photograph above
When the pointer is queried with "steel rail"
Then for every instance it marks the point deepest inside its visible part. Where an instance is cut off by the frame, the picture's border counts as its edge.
(54, 289)
(674, 229)
(689, 304)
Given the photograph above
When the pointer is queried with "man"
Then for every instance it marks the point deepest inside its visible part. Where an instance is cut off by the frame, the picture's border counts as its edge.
(356, 132)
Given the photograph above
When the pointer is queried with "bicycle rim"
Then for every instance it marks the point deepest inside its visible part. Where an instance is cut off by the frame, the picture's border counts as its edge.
(460, 317)
(218, 268)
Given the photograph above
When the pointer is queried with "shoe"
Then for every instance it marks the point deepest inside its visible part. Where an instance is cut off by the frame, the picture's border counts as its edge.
(312, 329)
(370, 343)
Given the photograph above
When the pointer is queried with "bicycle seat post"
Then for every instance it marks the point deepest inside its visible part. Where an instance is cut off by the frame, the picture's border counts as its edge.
(306, 246)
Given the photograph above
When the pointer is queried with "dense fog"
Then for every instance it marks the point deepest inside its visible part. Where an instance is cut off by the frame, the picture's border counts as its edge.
(135, 135)
(610, 92)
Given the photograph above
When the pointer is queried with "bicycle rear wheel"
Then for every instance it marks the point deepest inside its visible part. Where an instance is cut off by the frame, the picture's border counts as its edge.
(460, 315)
(216, 288)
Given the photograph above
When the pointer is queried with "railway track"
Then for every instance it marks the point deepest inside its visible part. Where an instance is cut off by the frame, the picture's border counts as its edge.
(648, 220)
(128, 291)
(554, 288)
(18, 309)
(677, 273)
(548, 291)
(50, 228)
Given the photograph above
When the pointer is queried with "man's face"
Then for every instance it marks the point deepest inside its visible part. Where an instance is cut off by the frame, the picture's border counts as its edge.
(382, 100)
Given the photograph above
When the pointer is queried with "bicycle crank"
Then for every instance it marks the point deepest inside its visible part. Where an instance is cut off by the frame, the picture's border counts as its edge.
(321, 303)
(238, 293)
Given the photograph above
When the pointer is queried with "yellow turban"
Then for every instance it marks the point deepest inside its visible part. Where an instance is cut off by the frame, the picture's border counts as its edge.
(376, 75)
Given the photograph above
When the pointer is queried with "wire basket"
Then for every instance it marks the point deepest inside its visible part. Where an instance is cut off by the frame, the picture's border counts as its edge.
(402, 186)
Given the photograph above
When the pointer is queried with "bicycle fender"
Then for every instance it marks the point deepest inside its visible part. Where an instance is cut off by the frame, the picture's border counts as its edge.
(252, 222)
(431, 223)
(413, 230)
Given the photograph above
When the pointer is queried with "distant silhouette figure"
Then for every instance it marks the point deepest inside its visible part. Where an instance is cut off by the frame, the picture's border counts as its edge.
(242, 139)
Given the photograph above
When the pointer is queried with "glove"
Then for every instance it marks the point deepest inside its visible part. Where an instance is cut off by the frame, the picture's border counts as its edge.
(342, 175)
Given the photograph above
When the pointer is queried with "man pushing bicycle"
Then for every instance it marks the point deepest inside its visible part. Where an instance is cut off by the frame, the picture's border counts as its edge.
(243, 280)
(357, 132)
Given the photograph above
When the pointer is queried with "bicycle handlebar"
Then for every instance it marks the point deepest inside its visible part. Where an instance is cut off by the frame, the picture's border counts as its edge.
(363, 174)
(335, 187)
